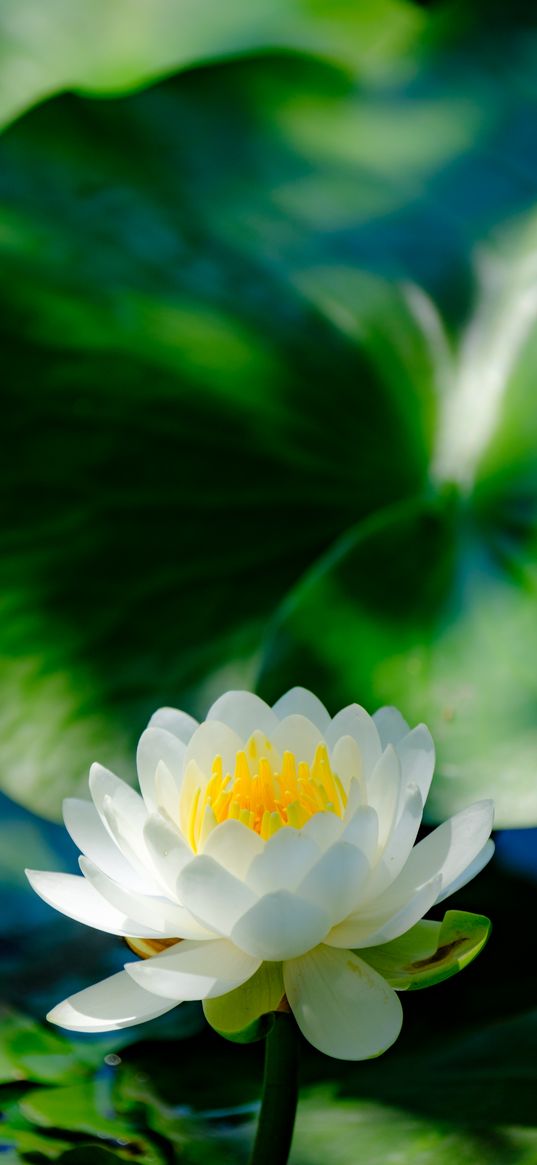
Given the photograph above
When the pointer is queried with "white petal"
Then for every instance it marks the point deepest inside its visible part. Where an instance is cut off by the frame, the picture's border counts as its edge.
(301, 702)
(213, 895)
(355, 798)
(165, 918)
(210, 740)
(346, 760)
(286, 858)
(362, 830)
(355, 721)
(398, 846)
(167, 795)
(123, 813)
(390, 725)
(157, 746)
(194, 970)
(323, 828)
(471, 871)
(168, 851)
(88, 832)
(342, 1006)
(103, 784)
(244, 713)
(234, 846)
(383, 790)
(180, 723)
(78, 899)
(114, 1003)
(448, 851)
(336, 881)
(370, 930)
(417, 756)
(298, 735)
(280, 926)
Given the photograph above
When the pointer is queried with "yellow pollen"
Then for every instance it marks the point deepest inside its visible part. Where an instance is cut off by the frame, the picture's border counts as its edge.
(261, 797)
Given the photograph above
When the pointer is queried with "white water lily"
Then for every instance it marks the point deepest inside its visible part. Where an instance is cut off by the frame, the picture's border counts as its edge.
(278, 845)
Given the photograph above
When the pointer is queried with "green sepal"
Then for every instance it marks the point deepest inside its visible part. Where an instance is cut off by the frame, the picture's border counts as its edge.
(430, 951)
(244, 1015)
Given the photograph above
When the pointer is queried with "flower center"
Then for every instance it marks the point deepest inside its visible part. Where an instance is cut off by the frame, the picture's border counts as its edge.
(265, 793)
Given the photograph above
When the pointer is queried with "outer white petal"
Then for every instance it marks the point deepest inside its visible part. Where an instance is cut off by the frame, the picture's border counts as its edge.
(168, 851)
(398, 846)
(114, 1003)
(301, 702)
(166, 795)
(244, 713)
(210, 740)
(448, 851)
(88, 832)
(78, 899)
(213, 895)
(417, 756)
(104, 783)
(194, 970)
(180, 723)
(390, 725)
(234, 846)
(123, 813)
(157, 914)
(356, 722)
(335, 883)
(342, 1006)
(383, 791)
(370, 930)
(280, 926)
(158, 746)
(471, 871)
(298, 735)
(285, 859)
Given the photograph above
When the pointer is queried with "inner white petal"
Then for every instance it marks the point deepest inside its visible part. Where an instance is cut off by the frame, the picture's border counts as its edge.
(298, 735)
(301, 702)
(245, 713)
(356, 722)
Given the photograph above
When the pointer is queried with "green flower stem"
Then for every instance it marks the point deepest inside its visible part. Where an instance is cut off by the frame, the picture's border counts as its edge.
(280, 1093)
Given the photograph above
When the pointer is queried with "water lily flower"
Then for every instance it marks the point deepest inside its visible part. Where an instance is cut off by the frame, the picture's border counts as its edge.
(270, 861)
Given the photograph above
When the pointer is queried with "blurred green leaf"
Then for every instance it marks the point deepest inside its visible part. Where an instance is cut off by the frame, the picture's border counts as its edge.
(484, 1078)
(88, 1108)
(89, 1155)
(344, 1131)
(160, 509)
(88, 45)
(413, 608)
(29, 1051)
(75, 1107)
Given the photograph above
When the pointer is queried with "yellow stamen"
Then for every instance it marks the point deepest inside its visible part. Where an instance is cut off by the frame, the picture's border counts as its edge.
(147, 947)
(261, 792)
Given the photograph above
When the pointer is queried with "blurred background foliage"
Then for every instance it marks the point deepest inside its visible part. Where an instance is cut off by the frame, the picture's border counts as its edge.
(269, 337)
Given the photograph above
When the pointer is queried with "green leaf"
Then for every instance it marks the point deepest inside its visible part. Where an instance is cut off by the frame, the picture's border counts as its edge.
(89, 1155)
(30, 1051)
(80, 1108)
(159, 513)
(414, 608)
(241, 1015)
(91, 47)
(430, 951)
(344, 1131)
